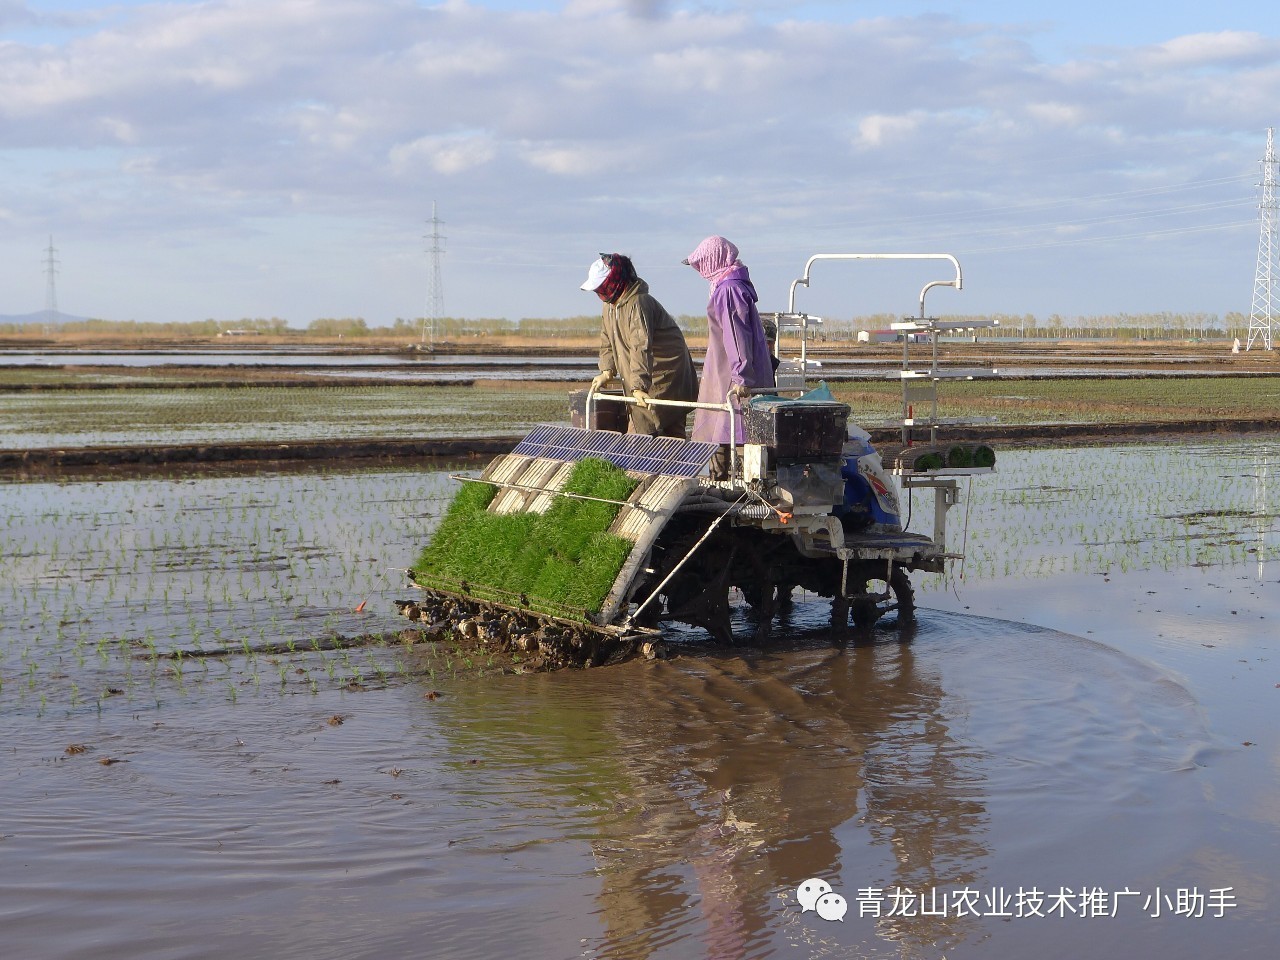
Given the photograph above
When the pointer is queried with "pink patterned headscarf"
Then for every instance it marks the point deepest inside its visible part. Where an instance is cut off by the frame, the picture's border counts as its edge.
(713, 258)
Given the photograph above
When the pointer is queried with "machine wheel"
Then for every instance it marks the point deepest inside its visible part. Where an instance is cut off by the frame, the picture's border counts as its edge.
(699, 594)
(760, 587)
(870, 604)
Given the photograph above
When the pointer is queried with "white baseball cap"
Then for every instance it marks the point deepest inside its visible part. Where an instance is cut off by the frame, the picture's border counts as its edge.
(596, 274)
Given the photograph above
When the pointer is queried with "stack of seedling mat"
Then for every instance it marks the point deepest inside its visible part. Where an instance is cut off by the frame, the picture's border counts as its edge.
(934, 458)
(560, 526)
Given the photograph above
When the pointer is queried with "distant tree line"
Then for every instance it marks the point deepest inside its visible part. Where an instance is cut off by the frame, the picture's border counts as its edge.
(135, 328)
(1145, 326)
(1148, 326)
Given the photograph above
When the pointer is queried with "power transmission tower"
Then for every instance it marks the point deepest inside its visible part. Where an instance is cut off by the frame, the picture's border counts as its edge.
(435, 286)
(51, 286)
(1262, 316)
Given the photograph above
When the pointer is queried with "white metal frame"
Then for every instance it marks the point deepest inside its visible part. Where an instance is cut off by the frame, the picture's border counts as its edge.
(957, 281)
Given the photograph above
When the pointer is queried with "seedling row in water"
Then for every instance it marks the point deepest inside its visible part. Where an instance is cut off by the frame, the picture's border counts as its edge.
(1163, 506)
(71, 418)
(114, 590)
(120, 589)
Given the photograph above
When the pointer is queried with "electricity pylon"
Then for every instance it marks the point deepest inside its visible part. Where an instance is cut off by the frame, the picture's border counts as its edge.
(1262, 316)
(51, 286)
(435, 286)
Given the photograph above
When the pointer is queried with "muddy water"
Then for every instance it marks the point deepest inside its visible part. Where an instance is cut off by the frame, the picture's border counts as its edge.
(664, 809)
(1077, 725)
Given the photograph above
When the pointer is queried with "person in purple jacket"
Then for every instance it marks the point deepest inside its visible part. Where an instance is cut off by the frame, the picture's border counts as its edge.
(738, 356)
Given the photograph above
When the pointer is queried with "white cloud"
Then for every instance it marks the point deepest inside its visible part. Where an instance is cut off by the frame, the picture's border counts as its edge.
(448, 155)
(13, 12)
(326, 128)
(116, 129)
(1057, 114)
(640, 9)
(647, 122)
(452, 62)
(879, 130)
(582, 160)
(140, 165)
(1213, 49)
(705, 70)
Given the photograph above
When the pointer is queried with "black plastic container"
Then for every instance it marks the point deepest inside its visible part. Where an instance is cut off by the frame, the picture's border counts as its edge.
(798, 429)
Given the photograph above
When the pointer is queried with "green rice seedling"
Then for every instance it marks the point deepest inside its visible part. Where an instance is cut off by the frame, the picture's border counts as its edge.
(563, 557)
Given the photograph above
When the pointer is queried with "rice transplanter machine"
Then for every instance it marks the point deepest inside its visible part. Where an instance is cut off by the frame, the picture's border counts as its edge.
(810, 504)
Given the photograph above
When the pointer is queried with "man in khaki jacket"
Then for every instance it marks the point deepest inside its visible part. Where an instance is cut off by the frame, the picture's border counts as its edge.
(641, 344)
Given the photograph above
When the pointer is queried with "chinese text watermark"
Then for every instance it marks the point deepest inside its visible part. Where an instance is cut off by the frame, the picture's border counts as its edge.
(1015, 902)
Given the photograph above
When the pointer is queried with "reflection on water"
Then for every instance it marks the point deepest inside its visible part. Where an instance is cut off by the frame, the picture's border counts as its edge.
(652, 810)
(1263, 511)
(716, 783)
(762, 769)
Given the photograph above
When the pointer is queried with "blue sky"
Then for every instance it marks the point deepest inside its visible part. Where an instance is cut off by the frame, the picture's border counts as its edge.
(242, 158)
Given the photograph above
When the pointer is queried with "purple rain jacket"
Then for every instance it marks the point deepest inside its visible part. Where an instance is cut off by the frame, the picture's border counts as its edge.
(737, 353)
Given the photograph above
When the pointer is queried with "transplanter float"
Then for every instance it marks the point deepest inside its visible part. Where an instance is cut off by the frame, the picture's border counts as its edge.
(577, 545)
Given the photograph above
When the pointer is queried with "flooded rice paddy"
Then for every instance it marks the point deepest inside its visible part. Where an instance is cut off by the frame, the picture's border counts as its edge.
(219, 740)
(44, 410)
(40, 420)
